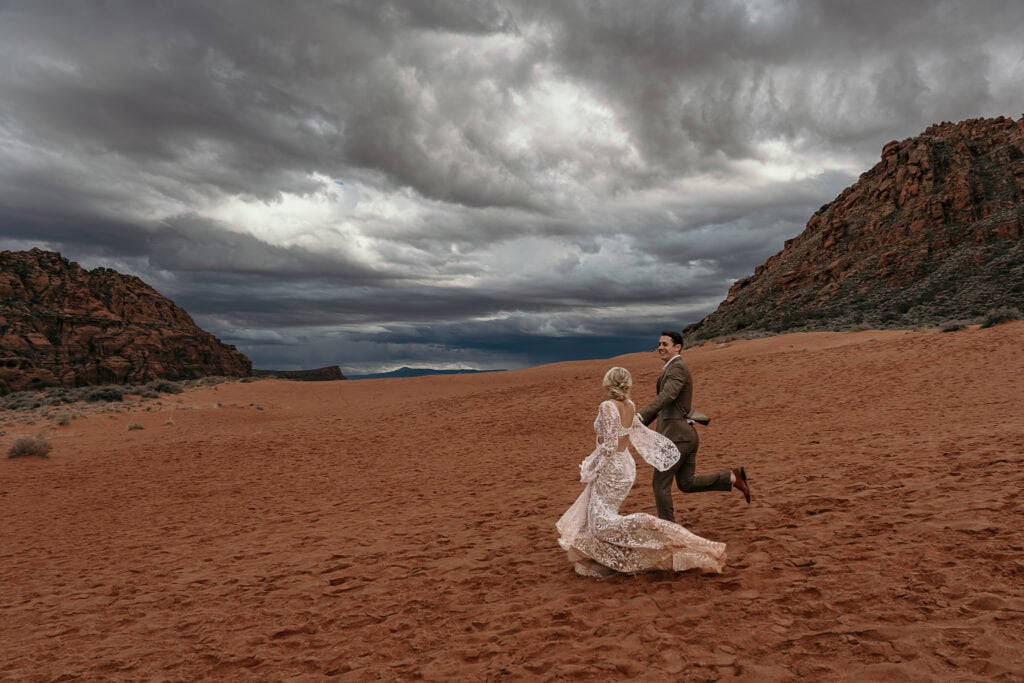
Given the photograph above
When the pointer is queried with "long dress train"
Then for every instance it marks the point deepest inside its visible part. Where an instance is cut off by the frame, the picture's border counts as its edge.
(593, 529)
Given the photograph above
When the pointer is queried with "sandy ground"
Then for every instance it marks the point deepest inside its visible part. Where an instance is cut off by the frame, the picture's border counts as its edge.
(404, 528)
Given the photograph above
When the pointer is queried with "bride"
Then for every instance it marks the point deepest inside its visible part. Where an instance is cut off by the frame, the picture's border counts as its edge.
(598, 539)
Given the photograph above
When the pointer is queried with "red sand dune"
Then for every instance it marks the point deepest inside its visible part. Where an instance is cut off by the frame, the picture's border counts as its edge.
(404, 528)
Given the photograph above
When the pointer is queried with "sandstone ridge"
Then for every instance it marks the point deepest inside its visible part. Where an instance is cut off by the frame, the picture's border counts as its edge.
(931, 233)
(62, 325)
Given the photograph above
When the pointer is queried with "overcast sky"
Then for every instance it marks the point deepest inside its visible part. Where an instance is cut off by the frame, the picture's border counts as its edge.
(463, 184)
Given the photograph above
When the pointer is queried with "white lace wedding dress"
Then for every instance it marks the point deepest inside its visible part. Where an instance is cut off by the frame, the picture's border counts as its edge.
(592, 529)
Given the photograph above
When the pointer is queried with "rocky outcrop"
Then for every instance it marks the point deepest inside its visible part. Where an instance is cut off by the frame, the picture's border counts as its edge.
(933, 232)
(325, 374)
(61, 325)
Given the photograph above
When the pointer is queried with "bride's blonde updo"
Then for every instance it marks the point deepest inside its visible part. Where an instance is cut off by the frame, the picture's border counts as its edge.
(618, 382)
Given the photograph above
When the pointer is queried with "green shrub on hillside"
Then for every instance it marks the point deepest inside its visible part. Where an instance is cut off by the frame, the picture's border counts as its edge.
(165, 387)
(109, 394)
(1003, 314)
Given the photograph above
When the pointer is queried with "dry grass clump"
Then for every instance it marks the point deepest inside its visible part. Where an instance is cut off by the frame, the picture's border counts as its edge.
(109, 394)
(26, 446)
(1003, 314)
(166, 387)
(32, 400)
(208, 381)
(156, 387)
(22, 400)
(134, 426)
(954, 325)
(55, 396)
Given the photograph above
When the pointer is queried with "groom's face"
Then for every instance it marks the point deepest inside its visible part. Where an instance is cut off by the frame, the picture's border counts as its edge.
(667, 348)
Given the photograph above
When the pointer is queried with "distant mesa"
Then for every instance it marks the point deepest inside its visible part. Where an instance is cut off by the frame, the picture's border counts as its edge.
(932, 233)
(417, 372)
(327, 374)
(62, 325)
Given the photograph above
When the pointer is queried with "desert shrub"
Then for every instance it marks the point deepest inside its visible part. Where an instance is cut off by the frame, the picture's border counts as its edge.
(166, 387)
(109, 394)
(26, 402)
(25, 446)
(74, 395)
(134, 425)
(953, 326)
(1003, 314)
(63, 419)
(208, 381)
(51, 398)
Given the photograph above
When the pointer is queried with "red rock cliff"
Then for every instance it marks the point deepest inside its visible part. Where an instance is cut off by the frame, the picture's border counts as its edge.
(933, 232)
(63, 325)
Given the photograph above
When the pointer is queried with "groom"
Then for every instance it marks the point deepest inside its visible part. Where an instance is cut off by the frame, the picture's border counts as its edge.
(671, 409)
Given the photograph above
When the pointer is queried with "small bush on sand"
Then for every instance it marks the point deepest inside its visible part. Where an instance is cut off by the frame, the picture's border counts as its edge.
(166, 387)
(109, 394)
(210, 381)
(1003, 314)
(134, 425)
(953, 326)
(25, 446)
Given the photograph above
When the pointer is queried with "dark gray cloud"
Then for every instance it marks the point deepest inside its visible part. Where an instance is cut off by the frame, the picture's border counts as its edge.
(376, 183)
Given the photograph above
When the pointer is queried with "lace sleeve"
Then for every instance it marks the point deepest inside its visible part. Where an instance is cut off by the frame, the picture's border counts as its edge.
(605, 426)
(657, 450)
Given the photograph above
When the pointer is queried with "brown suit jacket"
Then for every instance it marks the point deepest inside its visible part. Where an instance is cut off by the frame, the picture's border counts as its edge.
(672, 405)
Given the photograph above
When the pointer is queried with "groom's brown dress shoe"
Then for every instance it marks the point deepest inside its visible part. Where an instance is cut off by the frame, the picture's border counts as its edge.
(741, 482)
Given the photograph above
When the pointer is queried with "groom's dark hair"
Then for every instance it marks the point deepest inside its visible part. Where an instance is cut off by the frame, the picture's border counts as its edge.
(677, 339)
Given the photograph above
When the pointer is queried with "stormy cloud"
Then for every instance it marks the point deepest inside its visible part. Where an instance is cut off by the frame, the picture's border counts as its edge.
(462, 184)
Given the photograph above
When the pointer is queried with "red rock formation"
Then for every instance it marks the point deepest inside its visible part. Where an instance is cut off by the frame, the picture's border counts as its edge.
(933, 232)
(63, 325)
